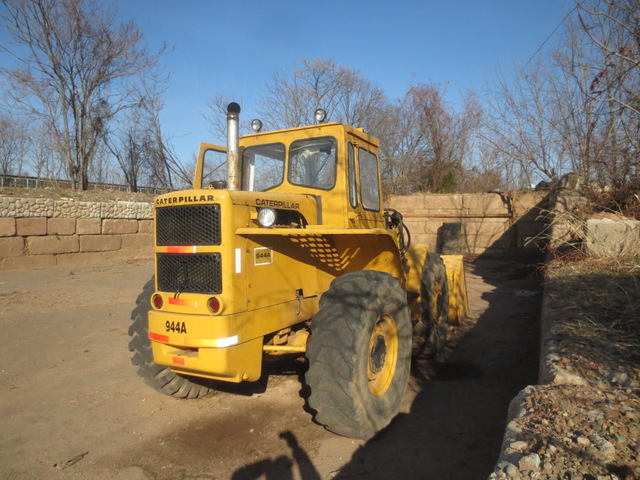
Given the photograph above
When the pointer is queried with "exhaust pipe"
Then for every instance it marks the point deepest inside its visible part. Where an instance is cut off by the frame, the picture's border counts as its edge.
(233, 159)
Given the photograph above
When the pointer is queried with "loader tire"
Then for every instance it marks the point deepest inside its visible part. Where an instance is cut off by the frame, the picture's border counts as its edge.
(430, 332)
(159, 377)
(359, 354)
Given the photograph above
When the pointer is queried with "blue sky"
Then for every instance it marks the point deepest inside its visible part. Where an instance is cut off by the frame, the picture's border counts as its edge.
(233, 48)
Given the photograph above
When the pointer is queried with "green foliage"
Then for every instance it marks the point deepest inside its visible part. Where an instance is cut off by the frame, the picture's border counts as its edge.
(449, 183)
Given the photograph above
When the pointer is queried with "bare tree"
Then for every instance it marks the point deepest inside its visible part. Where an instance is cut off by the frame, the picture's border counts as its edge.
(425, 143)
(125, 145)
(399, 148)
(575, 110)
(522, 126)
(613, 27)
(137, 141)
(292, 97)
(446, 136)
(43, 159)
(14, 145)
(78, 71)
(165, 168)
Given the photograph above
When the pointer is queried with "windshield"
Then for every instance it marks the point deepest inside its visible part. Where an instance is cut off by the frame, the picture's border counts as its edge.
(313, 162)
(263, 167)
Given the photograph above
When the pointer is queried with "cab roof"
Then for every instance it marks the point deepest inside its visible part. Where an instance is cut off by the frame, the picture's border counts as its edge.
(323, 129)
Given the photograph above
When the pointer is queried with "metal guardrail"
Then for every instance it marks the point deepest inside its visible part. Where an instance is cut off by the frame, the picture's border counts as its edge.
(37, 182)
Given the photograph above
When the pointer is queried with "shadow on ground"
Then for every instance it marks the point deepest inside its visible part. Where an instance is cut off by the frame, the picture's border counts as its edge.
(455, 426)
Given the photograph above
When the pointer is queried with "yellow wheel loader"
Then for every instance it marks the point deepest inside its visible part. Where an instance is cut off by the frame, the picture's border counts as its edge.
(283, 246)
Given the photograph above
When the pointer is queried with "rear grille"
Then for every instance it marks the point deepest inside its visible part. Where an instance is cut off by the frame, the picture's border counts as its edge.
(198, 273)
(188, 225)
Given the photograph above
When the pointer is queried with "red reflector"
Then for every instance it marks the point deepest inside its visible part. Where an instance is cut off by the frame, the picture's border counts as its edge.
(158, 338)
(214, 304)
(157, 301)
(179, 361)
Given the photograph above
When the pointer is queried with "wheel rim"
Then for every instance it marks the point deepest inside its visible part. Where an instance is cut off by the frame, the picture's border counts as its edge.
(383, 354)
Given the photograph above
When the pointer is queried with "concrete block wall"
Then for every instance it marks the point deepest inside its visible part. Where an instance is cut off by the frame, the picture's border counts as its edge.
(36, 232)
(602, 235)
(491, 222)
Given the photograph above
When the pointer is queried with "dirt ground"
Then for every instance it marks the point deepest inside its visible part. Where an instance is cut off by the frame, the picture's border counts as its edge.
(72, 406)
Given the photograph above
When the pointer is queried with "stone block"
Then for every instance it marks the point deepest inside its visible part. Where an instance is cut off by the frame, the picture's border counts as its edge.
(417, 226)
(139, 240)
(100, 243)
(451, 203)
(26, 227)
(11, 247)
(145, 226)
(607, 237)
(71, 208)
(486, 226)
(7, 227)
(429, 240)
(27, 261)
(52, 244)
(131, 210)
(119, 226)
(571, 203)
(524, 201)
(61, 226)
(485, 204)
(131, 254)
(88, 226)
(405, 203)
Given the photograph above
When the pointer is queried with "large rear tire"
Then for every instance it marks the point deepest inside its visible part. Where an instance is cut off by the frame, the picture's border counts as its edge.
(159, 377)
(359, 354)
(430, 332)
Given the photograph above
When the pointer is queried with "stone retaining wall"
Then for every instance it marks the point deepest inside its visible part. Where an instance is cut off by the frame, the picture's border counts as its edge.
(495, 223)
(40, 232)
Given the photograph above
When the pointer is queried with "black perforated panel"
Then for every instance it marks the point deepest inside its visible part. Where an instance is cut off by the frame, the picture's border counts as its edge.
(198, 273)
(188, 225)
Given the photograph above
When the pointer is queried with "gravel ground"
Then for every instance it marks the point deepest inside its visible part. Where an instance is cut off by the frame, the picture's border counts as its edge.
(582, 423)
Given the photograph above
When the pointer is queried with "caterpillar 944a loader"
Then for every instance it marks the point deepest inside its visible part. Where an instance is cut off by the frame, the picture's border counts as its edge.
(293, 253)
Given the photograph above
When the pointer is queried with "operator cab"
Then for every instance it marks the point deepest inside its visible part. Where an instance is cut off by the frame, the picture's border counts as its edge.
(335, 163)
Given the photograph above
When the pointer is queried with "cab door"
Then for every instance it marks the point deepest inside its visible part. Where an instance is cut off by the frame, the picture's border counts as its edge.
(211, 168)
(364, 186)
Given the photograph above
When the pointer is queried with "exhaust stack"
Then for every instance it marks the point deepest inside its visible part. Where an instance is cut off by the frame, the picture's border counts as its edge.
(233, 133)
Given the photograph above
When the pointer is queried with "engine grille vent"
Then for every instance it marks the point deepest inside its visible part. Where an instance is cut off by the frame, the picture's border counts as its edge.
(188, 225)
(199, 273)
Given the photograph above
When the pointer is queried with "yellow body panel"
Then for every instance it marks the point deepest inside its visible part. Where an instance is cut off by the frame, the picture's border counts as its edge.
(270, 280)
(458, 301)
(223, 347)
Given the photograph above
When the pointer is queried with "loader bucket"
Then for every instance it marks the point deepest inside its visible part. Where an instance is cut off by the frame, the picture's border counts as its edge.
(458, 302)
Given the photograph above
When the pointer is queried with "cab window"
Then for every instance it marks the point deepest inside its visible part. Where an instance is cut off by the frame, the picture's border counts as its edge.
(353, 195)
(312, 162)
(263, 167)
(369, 182)
(214, 167)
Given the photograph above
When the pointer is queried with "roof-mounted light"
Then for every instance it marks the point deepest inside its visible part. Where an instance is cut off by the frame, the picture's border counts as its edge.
(256, 125)
(320, 115)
